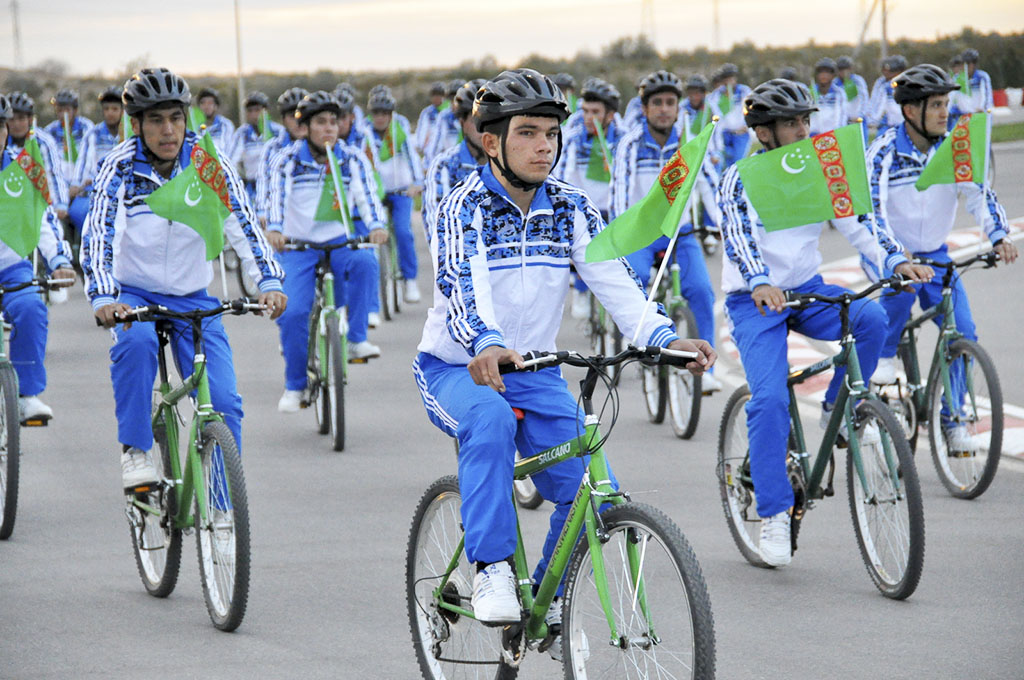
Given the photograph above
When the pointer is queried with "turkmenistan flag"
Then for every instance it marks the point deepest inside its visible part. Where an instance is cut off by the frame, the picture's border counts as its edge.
(24, 199)
(70, 147)
(394, 138)
(329, 208)
(126, 127)
(196, 119)
(850, 88)
(599, 165)
(961, 156)
(817, 179)
(263, 127)
(725, 100)
(197, 196)
(963, 80)
(660, 211)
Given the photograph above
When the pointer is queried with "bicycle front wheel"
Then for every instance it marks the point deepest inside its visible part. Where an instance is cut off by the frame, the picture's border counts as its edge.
(155, 540)
(654, 383)
(223, 540)
(336, 383)
(972, 408)
(888, 516)
(10, 449)
(663, 627)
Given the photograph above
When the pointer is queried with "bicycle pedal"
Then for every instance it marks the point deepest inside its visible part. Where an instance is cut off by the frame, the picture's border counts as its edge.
(363, 360)
(36, 421)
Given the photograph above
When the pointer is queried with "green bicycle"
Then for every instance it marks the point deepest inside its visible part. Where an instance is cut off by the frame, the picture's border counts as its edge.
(635, 603)
(962, 391)
(204, 492)
(884, 492)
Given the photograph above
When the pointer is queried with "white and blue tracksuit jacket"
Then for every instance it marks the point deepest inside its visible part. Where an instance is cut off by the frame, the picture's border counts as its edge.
(980, 98)
(731, 121)
(273, 146)
(297, 183)
(831, 113)
(222, 132)
(80, 126)
(634, 113)
(446, 171)
(53, 160)
(404, 168)
(96, 144)
(572, 166)
(125, 243)
(445, 134)
(856, 107)
(247, 149)
(502, 276)
(51, 236)
(424, 125)
(883, 111)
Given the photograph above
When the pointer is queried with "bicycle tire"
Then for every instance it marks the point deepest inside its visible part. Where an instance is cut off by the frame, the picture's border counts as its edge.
(318, 390)
(396, 276)
(960, 473)
(674, 637)
(739, 502)
(445, 642)
(225, 576)
(159, 559)
(336, 383)
(654, 384)
(894, 562)
(384, 271)
(10, 449)
(684, 388)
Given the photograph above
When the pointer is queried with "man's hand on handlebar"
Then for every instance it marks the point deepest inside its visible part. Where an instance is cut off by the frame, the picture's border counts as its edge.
(277, 240)
(273, 301)
(378, 236)
(918, 273)
(484, 366)
(768, 296)
(109, 315)
(65, 276)
(706, 354)
(1006, 250)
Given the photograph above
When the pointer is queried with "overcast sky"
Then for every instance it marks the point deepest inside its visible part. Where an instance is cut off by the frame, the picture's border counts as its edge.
(199, 37)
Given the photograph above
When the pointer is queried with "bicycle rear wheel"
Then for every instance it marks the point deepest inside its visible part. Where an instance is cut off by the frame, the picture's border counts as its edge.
(654, 383)
(659, 603)
(684, 388)
(336, 383)
(155, 540)
(10, 449)
(888, 516)
(448, 646)
(739, 502)
(976, 405)
(223, 541)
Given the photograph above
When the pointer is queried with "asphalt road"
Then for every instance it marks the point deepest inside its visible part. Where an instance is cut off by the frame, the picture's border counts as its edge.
(330, 532)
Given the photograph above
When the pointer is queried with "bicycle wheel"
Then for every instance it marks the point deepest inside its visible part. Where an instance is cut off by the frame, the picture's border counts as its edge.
(447, 645)
(10, 449)
(733, 471)
(396, 277)
(654, 383)
(335, 387)
(223, 542)
(386, 274)
(888, 521)
(155, 540)
(684, 388)
(318, 394)
(977, 405)
(659, 603)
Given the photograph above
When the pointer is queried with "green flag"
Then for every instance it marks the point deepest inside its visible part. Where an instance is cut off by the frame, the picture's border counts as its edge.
(814, 90)
(599, 166)
(817, 179)
(393, 140)
(24, 199)
(70, 147)
(850, 88)
(964, 81)
(698, 122)
(725, 100)
(197, 197)
(196, 120)
(961, 156)
(445, 105)
(330, 208)
(263, 127)
(126, 127)
(660, 211)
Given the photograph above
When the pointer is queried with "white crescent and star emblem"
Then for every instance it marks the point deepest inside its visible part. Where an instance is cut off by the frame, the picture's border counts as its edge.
(17, 183)
(801, 156)
(193, 202)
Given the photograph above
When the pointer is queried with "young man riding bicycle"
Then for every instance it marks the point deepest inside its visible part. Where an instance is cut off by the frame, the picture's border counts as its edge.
(142, 259)
(505, 238)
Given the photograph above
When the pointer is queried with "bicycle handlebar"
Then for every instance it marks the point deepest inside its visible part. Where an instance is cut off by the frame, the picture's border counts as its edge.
(799, 300)
(353, 243)
(652, 355)
(989, 258)
(37, 281)
(154, 312)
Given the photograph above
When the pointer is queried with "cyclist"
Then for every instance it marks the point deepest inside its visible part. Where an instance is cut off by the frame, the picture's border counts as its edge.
(979, 82)
(298, 176)
(457, 162)
(446, 131)
(731, 135)
(401, 173)
(249, 140)
(19, 126)
(639, 157)
(694, 114)
(96, 144)
(428, 117)
(357, 111)
(65, 103)
(504, 240)
(634, 110)
(922, 220)
(829, 97)
(883, 112)
(24, 308)
(856, 90)
(133, 257)
(567, 84)
(759, 266)
(222, 130)
(287, 102)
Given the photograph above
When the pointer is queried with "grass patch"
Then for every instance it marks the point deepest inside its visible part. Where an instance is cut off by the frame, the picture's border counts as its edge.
(1007, 132)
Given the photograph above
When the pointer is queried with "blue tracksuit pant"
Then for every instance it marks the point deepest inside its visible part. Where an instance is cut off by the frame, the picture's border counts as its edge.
(489, 436)
(735, 147)
(401, 220)
(133, 365)
(77, 211)
(26, 312)
(761, 341)
(357, 266)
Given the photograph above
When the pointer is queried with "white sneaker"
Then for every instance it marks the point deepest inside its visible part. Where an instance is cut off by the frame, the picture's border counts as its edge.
(33, 408)
(580, 304)
(361, 351)
(959, 440)
(775, 546)
(885, 371)
(290, 401)
(495, 600)
(553, 619)
(709, 384)
(412, 292)
(223, 537)
(373, 319)
(137, 468)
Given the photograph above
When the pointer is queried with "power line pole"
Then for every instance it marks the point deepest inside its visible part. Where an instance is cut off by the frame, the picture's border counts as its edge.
(238, 53)
(19, 59)
(717, 29)
(885, 31)
(647, 20)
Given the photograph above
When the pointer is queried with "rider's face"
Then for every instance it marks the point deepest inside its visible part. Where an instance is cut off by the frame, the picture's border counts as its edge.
(784, 131)
(112, 113)
(824, 78)
(252, 114)
(531, 144)
(345, 125)
(598, 111)
(162, 131)
(936, 114)
(381, 120)
(661, 110)
(323, 129)
(19, 125)
(208, 105)
(696, 97)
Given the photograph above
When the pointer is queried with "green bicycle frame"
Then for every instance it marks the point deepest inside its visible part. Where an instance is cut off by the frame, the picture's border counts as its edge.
(329, 313)
(948, 334)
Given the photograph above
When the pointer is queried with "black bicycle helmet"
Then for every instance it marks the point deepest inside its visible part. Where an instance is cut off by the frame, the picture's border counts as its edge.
(921, 82)
(452, 88)
(111, 95)
(775, 99)
(290, 98)
(598, 90)
(21, 103)
(896, 62)
(729, 70)
(844, 62)
(437, 88)
(257, 98)
(346, 101)
(380, 99)
(5, 109)
(208, 92)
(660, 81)
(565, 81)
(65, 98)
(152, 87)
(315, 102)
(465, 97)
(956, 61)
(347, 87)
(970, 56)
(826, 64)
(697, 82)
(789, 73)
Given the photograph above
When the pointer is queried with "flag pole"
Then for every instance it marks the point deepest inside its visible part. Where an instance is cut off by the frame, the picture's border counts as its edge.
(654, 286)
(337, 191)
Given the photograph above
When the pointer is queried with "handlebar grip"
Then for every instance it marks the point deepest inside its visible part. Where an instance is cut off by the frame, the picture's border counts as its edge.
(533, 360)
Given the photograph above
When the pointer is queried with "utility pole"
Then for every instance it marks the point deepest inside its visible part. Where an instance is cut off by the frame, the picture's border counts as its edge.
(19, 59)
(885, 31)
(647, 20)
(238, 53)
(717, 29)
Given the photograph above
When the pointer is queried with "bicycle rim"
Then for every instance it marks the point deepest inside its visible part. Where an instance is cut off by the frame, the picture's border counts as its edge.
(321, 397)
(336, 383)
(157, 544)
(654, 385)
(10, 450)
(684, 394)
